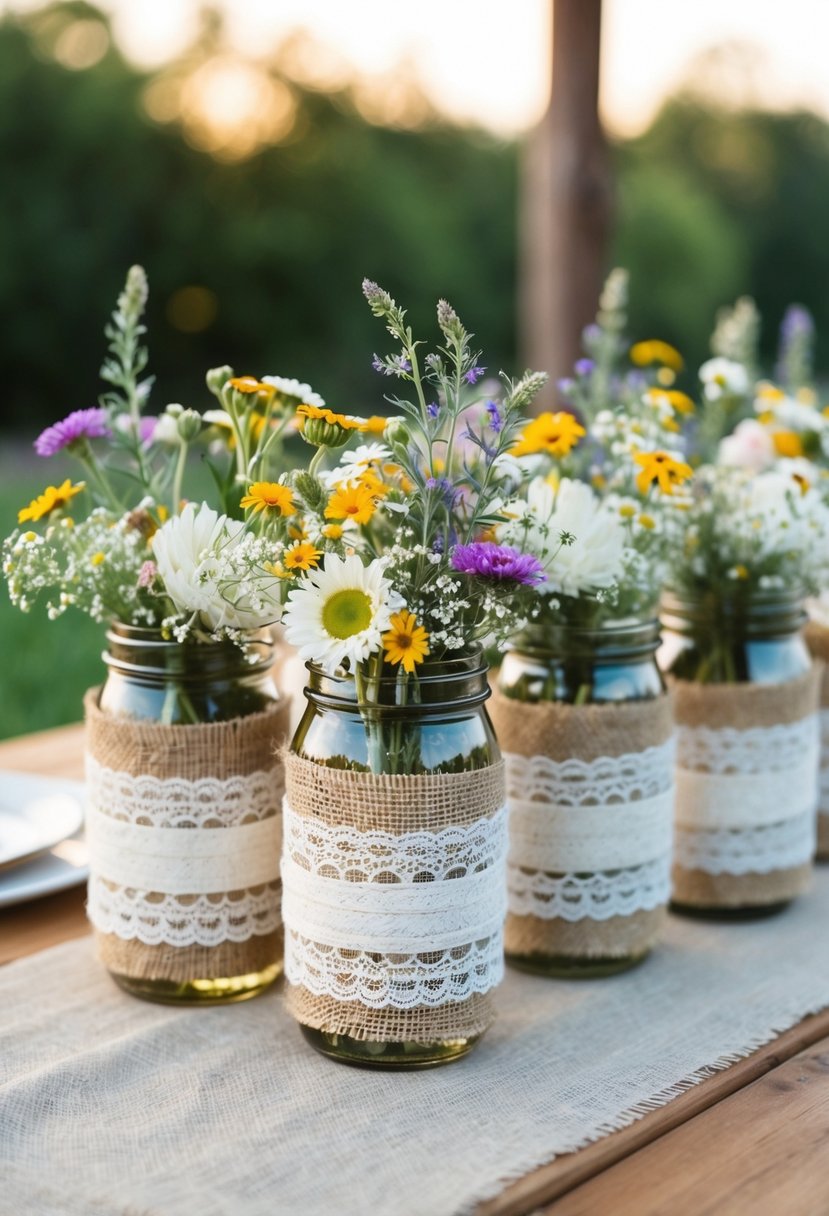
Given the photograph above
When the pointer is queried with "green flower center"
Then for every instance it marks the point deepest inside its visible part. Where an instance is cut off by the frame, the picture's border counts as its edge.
(346, 613)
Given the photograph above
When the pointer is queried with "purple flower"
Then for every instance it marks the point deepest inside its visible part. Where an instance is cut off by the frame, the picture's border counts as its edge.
(796, 322)
(80, 424)
(495, 420)
(584, 367)
(146, 428)
(591, 333)
(565, 385)
(474, 374)
(444, 487)
(499, 562)
(433, 409)
(378, 364)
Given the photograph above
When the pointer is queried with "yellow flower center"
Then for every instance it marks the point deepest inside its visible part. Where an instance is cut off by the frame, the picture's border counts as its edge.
(346, 612)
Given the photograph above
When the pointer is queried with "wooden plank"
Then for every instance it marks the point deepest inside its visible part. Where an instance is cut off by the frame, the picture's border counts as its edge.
(51, 753)
(27, 928)
(563, 1175)
(760, 1152)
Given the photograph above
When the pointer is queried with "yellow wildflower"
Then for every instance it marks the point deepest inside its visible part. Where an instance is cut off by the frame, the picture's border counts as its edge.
(406, 642)
(679, 402)
(647, 521)
(655, 351)
(52, 499)
(302, 556)
(249, 384)
(356, 502)
(661, 469)
(269, 496)
(787, 443)
(627, 511)
(741, 572)
(556, 434)
(97, 558)
(333, 531)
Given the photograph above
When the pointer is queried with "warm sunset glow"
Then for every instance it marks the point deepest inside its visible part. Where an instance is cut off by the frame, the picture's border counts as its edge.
(480, 61)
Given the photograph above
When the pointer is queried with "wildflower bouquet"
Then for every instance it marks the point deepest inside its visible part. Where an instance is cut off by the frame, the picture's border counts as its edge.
(388, 557)
(123, 543)
(601, 508)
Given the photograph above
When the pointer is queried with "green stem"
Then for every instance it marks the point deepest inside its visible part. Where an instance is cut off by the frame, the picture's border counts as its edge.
(178, 479)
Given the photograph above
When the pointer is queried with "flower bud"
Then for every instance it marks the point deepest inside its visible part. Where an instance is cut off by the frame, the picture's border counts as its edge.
(217, 378)
(311, 491)
(397, 435)
(189, 424)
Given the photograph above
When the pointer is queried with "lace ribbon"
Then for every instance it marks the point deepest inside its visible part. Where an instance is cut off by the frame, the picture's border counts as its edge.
(746, 799)
(183, 862)
(393, 920)
(823, 803)
(590, 838)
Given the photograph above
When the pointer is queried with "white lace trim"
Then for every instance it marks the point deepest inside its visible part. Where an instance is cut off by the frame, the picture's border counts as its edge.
(183, 862)
(590, 839)
(759, 749)
(394, 920)
(204, 920)
(776, 846)
(398, 981)
(174, 802)
(746, 799)
(575, 897)
(608, 779)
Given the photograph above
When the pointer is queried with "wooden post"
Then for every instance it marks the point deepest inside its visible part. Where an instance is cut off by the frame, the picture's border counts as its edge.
(566, 201)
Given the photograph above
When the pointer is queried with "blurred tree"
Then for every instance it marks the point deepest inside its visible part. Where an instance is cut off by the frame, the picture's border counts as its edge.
(256, 261)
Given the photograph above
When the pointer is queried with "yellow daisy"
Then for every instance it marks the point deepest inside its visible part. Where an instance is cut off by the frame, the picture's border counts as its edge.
(52, 499)
(655, 351)
(301, 556)
(679, 402)
(269, 496)
(356, 502)
(661, 469)
(556, 434)
(406, 642)
(249, 384)
(787, 443)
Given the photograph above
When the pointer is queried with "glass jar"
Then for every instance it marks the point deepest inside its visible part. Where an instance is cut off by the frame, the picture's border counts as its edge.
(588, 761)
(745, 698)
(392, 744)
(154, 684)
(816, 636)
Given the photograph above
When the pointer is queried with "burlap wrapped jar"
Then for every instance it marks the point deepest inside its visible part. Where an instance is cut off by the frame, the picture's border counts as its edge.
(817, 639)
(393, 868)
(747, 751)
(590, 795)
(184, 798)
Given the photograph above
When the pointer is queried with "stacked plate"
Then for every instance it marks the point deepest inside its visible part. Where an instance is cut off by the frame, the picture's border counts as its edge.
(41, 836)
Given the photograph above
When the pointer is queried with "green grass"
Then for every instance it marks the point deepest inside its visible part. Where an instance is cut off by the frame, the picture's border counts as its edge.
(45, 666)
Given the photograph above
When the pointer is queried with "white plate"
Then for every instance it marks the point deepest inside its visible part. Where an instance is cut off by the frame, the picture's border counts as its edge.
(65, 864)
(36, 813)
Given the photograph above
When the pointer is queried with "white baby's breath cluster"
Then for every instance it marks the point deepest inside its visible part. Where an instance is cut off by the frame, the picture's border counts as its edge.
(766, 531)
(94, 565)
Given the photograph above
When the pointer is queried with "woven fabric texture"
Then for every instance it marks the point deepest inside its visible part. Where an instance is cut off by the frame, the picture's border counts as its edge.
(114, 1107)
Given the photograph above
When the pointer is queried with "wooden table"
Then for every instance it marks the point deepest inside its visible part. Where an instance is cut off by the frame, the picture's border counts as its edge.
(750, 1141)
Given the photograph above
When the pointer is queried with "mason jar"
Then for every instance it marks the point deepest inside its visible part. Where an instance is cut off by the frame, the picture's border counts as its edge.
(745, 698)
(393, 865)
(184, 811)
(584, 721)
(816, 636)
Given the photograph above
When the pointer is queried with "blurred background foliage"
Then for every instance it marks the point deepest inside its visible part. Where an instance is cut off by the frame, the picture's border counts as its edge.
(256, 235)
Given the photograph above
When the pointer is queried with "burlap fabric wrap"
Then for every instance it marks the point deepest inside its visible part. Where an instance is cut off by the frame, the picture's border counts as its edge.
(590, 798)
(746, 791)
(817, 639)
(394, 901)
(184, 829)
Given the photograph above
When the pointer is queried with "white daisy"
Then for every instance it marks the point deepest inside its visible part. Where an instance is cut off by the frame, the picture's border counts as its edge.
(340, 612)
(366, 454)
(289, 387)
(194, 554)
(723, 377)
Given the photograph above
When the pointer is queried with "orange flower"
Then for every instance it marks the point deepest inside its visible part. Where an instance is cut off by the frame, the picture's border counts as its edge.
(356, 502)
(52, 499)
(556, 434)
(406, 642)
(661, 469)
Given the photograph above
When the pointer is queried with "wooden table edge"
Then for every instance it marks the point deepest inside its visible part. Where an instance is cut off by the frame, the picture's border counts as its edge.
(548, 1183)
